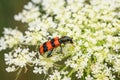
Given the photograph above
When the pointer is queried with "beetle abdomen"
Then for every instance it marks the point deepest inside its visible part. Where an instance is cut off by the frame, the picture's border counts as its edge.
(49, 45)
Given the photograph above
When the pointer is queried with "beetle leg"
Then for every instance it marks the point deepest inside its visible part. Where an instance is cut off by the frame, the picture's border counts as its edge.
(61, 49)
(49, 53)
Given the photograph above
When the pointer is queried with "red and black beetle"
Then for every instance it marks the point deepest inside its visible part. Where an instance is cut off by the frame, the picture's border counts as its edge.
(53, 43)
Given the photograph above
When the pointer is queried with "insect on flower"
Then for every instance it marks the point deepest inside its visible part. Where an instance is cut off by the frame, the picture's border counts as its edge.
(53, 43)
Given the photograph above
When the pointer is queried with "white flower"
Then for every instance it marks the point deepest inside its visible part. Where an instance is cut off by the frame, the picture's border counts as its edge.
(35, 25)
(20, 58)
(89, 78)
(101, 71)
(58, 76)
(37, 70)
(36, 1)
(79, 74)
(53, 6)
(11, 38)
(44, 64)
(3, 44)
(18, 17)
(8, 59)
(66, 78)
(10, 69)
(29, 6)
(93, 25)
(117, 65)
(32, 38)
(30, 13)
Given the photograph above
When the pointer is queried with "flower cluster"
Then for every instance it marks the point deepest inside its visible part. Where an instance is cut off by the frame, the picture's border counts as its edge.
(19, 58)
(11, 38)
(94, 26)
(102, 72)
(59, 76)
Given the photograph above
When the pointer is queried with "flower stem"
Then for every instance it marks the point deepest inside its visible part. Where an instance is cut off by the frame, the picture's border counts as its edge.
(71, 72)
(18, 74)
(66, 56)
(64, 68)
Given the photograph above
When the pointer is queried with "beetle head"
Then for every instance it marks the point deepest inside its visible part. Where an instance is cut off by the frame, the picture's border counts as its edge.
(65, 39)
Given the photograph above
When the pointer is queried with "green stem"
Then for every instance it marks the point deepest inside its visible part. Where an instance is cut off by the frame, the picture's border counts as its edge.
(18, 74)
(37, 46)
(67, 56)
(64, 68)
(71, 72)
(25, 69)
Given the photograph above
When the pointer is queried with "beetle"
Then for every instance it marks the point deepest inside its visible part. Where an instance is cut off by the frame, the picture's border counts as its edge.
(53, 43)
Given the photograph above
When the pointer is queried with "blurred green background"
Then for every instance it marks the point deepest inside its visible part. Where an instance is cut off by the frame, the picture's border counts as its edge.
(8, 8)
